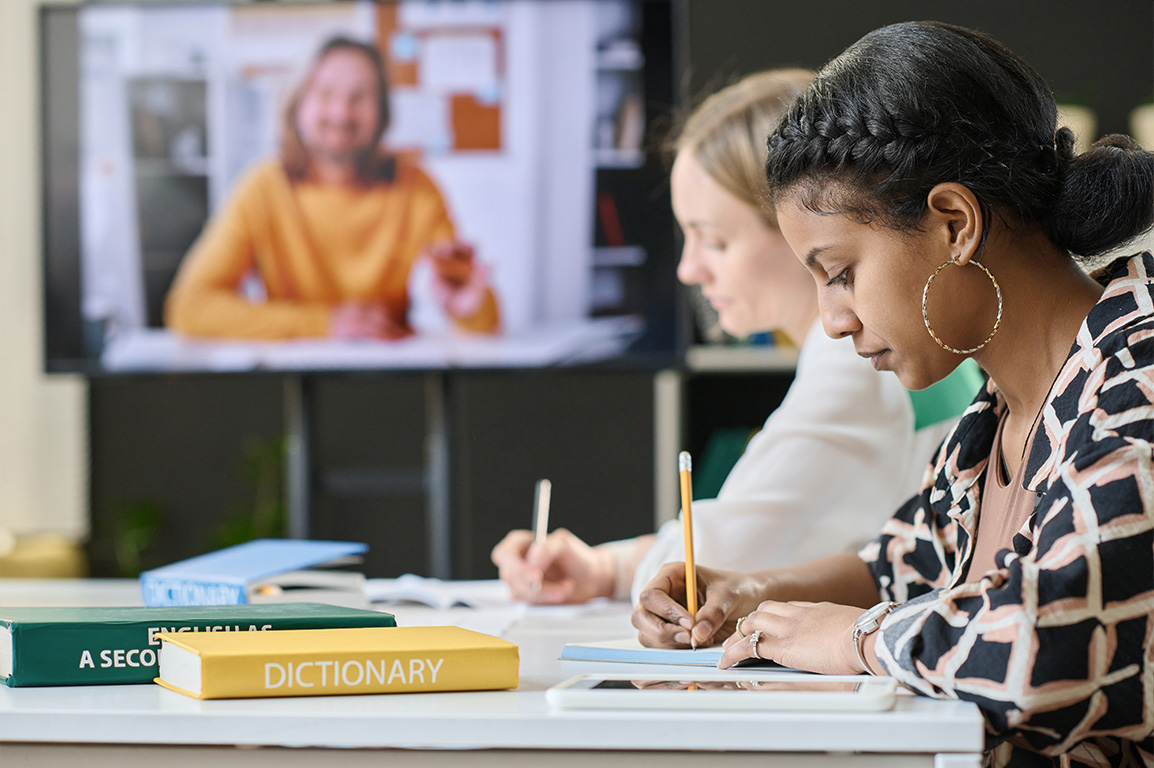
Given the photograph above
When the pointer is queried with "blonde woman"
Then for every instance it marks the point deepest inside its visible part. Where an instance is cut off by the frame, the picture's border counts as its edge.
(845, 446)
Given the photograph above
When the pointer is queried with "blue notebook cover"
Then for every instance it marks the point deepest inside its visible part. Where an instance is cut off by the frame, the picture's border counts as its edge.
(630, 650)
(224, 577)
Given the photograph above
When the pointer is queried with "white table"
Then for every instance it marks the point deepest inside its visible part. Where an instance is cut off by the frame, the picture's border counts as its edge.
(148, 725)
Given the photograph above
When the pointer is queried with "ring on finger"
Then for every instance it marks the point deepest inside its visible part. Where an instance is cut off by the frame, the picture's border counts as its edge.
(738, 627)
(754, 639)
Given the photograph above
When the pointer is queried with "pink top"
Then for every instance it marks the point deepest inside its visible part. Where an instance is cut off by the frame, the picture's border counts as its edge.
(1006, 506)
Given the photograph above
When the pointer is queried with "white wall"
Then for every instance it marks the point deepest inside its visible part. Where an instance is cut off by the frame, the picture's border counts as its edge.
(43, 440)
(538, 241)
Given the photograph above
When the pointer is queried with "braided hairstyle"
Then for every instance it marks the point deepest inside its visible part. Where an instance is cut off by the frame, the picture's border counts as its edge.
(916, 104)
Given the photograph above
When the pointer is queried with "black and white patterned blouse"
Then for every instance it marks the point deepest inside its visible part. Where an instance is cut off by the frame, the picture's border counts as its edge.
(1056, 646)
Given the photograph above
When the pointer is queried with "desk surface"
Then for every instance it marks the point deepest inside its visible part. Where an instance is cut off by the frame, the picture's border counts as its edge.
(518, 719)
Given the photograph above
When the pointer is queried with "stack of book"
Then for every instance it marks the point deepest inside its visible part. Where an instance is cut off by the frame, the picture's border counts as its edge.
(232, 624)
(261, 571)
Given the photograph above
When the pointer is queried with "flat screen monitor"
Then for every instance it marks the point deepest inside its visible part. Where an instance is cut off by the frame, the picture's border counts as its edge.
(236, 186)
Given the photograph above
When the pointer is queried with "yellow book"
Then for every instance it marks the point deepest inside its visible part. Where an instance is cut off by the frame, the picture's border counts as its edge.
(326, 662)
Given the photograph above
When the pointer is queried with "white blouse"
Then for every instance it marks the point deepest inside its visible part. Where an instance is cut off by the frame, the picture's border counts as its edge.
(829, 467)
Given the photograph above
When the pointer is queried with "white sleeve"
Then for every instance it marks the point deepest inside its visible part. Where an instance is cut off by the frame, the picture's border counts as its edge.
(831, 464)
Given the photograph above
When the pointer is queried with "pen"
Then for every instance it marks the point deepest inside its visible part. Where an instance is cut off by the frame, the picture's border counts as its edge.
(685, 465)
(541, 518)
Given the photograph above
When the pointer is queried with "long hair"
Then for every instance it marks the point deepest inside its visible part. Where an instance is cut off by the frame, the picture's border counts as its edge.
(373, 165)
(916, 104)
(726, 132)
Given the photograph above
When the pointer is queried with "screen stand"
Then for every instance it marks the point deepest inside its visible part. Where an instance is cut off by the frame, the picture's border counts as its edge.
(298, 471)
(297, 486)
(437, 474)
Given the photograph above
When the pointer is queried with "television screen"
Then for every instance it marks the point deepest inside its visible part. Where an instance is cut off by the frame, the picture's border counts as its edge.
(356, 185)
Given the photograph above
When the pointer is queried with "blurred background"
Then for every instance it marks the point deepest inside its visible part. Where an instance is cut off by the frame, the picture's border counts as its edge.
(109, 475)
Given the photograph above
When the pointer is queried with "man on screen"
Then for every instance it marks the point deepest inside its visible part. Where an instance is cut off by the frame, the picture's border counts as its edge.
(332, 227)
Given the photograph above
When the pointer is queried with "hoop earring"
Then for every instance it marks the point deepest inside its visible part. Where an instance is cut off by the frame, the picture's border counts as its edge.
(926, 317)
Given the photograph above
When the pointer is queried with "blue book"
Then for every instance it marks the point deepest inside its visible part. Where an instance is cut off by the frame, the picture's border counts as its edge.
(260, 571)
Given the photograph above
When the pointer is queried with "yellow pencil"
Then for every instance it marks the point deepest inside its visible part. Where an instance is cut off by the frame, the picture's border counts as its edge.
(685, 464)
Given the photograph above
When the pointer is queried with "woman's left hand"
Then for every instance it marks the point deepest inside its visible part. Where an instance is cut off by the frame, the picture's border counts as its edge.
(815, 637)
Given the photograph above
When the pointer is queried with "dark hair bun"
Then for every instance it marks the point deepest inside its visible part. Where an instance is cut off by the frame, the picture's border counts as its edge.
(1107, 197)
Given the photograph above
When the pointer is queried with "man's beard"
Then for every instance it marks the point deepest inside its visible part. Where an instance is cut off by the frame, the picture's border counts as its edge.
(357, 156)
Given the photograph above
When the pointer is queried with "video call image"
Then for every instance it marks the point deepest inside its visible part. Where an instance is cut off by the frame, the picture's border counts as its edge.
(355, 185)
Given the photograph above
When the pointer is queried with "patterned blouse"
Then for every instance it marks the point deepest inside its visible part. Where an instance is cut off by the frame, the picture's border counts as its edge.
(1056, 646)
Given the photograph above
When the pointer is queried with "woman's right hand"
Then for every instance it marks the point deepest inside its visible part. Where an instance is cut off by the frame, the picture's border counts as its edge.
(563, 570)
(662, 620)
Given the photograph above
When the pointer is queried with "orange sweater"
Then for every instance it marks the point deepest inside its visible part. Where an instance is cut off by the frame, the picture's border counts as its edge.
(313, 247)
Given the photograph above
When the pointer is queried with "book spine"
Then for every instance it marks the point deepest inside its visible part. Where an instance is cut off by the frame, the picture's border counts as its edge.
(158, 591)
(326, 673)
(121, 653)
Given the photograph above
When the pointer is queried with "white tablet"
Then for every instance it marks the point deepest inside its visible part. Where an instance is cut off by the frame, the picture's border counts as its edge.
(746, 692)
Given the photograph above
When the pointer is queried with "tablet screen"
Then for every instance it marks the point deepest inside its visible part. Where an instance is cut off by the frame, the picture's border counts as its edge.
(725, 691)
(765, 686)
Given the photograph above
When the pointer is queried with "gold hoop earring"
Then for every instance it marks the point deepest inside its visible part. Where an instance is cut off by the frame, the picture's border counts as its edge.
(926, 317)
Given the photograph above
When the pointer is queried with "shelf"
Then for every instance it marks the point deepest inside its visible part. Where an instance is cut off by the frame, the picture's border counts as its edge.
(722, 359)
(619, 256)
(623, 55)
(163, 166)
(619, 158)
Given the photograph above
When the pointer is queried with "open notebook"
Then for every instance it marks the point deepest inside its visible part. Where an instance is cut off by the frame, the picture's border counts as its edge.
(437, 593)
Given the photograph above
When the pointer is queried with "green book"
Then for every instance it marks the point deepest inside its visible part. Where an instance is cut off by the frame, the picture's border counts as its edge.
(109, 646)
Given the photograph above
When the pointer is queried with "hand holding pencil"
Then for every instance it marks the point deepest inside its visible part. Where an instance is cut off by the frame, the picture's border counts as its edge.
(667, 614)
(662, 618)
(545, 567)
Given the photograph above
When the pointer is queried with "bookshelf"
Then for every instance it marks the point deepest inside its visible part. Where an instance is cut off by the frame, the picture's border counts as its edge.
(619, 159)
(171, 174)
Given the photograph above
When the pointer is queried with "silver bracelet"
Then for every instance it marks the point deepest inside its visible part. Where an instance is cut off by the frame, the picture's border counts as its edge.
(858, 642)
(867, 623)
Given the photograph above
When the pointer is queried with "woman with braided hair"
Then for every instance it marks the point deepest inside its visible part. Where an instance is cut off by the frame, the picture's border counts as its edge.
(923, 181)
